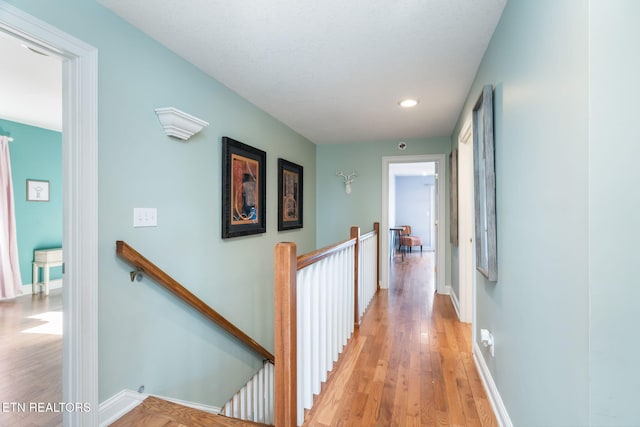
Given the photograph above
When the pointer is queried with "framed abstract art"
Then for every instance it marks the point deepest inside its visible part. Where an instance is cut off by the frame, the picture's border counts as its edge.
(243, 189)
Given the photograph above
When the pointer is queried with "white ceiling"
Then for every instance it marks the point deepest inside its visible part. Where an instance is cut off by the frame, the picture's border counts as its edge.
(30, 85)
(332, 70)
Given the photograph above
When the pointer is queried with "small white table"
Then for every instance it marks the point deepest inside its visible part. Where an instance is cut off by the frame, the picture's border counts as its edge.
(45, 259)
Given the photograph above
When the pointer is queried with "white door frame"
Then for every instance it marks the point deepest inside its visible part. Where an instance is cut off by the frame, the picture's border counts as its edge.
(80, 206)
(466, 248)
(439, 160)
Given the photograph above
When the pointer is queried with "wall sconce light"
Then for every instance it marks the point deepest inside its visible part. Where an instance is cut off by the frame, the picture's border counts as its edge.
(348, 179)
(179, 124)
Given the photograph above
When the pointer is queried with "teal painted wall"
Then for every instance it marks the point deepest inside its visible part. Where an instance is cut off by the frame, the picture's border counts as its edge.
(338, 211)
(145, 335)
(538, 311)
(614, 200)
(36, 153)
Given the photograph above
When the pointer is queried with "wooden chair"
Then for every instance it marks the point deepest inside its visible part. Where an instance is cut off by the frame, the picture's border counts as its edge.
(409, 241)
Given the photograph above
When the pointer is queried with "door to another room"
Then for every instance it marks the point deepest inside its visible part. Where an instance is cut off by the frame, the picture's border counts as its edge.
(31, 332)
(413, 191)
(79, 206)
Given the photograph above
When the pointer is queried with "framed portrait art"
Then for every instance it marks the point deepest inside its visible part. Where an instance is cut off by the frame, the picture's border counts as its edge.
(289, 195)
(243, 189)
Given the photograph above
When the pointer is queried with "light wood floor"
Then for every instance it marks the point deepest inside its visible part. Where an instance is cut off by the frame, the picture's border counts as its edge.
(154, 412)
(30, 363)
(410, 363)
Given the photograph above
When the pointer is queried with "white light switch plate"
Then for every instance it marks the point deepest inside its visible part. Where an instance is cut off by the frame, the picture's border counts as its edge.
(145, 217)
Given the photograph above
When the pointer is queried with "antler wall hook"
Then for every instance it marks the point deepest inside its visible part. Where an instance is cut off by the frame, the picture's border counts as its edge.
(348, 179)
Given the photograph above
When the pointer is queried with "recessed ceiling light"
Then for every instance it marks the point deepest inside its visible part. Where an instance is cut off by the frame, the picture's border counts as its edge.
(408, 103)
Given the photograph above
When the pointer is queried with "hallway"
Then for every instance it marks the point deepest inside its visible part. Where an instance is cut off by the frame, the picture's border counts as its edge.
(410, 363)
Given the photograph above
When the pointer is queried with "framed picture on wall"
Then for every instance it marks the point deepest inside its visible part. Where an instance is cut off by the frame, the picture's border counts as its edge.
(37, 190)
(453, 194)
(485, 185)
(243, 189)
(289, 195)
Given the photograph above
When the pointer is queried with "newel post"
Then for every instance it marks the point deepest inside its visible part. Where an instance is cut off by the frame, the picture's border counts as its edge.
(355, 233)
(285, 335)
(376, 228)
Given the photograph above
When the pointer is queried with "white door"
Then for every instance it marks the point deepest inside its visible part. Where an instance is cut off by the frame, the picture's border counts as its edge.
(465, 222)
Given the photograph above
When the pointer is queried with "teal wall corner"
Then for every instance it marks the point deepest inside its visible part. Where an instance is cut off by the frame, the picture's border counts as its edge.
(363, 206)
(36, 154)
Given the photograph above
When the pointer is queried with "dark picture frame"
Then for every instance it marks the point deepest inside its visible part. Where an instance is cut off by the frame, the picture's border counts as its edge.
(244, 173)
(290, 189)
(485, 185)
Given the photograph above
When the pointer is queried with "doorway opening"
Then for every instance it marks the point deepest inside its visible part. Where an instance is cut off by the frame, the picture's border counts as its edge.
(427, 209)
(80, 213)
(31, 83)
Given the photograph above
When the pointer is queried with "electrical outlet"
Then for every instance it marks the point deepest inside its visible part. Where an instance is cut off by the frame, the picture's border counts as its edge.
(145, 217)
(486, 338)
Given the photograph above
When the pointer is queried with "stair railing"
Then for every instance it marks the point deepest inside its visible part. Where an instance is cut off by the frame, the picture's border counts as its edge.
(317, 298)
(144, 266)
(367, 264)
(254, 401)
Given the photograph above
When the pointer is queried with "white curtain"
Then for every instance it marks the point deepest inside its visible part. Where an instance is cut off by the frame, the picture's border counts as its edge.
(10, 280)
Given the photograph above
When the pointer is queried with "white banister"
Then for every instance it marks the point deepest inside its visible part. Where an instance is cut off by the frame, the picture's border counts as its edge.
(254, 401)
(367, 271)
(325, 294)
(320, 298)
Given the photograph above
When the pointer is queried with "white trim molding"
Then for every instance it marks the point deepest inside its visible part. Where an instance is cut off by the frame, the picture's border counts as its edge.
(454, 301)
(490, 387)
(118, 405)
(123, 402)
(54, 284)
(440, 161)
(80, 207)
(466, 223)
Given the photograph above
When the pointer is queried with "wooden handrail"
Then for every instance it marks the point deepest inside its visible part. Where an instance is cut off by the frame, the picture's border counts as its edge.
(315, 256)
(367, 235)
(150, 269)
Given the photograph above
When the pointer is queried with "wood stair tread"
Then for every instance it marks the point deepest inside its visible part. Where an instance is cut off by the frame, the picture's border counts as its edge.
(155, 412)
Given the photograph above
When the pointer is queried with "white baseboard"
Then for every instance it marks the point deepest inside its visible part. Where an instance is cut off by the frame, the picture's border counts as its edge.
(490, 387)
(205, 408)
(53, 284)
(455, 302)
(124, 401)
(118, 405)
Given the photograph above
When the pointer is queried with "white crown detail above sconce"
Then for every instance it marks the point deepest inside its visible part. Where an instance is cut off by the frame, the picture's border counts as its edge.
(179, 124)
(348, 179)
